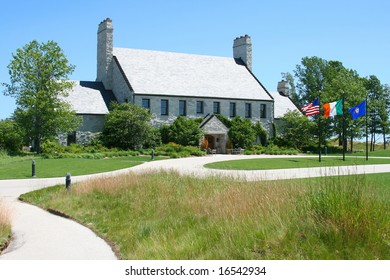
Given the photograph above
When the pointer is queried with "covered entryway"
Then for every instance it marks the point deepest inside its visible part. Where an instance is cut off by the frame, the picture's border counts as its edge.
(215, 134)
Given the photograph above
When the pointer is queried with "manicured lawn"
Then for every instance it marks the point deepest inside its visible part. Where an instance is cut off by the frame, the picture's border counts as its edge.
(166, 216)
(21, 168)
(302, 162)
(379, 153)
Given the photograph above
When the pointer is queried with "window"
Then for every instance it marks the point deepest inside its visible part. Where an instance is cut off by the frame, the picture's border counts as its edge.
(232, 109)
(263, 111)
(164, 107)
(146, 103)
(182, 107)
(199, 107)
(248, 110)
(216, 108)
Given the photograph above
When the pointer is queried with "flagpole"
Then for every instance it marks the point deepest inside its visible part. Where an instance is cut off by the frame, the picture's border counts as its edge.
(344, 144)
(366, 131)
(319, 129)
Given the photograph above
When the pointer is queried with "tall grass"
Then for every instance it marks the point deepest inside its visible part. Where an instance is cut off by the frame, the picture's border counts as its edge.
(5, 225)
(166, 216)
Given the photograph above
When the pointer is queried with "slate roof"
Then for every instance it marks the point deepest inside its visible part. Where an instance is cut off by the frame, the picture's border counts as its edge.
(177, 74)
(282, 104)
(90, 98)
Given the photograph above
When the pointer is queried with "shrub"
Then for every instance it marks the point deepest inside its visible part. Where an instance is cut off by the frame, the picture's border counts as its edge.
(52, 147)
(174, 150)
(11, 138)
(126, 126)
(242, 133)
(185, 132)
(261, 133)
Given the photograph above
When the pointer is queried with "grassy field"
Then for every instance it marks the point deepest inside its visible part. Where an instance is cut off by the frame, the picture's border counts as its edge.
(303, 162)
(166, 216)
(20, 167)
(378, 153)
(5, 226)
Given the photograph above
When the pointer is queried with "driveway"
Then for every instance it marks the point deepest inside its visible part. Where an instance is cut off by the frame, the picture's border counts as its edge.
(40, 235)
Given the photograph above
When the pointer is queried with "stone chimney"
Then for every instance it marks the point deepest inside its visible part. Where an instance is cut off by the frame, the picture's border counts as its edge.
(104, 53)
(242, 48)
(283, 88)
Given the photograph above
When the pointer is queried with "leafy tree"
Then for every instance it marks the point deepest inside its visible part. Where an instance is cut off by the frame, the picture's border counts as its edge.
(126, 126)
(296, 131)
(311, 75)
(348, 85)
(331, 81)
(241, 133)
(378, 109)
(185, 132)
(38, 81)
(11, 138)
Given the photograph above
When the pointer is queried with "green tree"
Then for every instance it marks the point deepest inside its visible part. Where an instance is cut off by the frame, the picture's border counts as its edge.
(126, 126)
(185, 132)
(311, 78)
(38, 81)
(241, 133)
(296, 131)
(378, 103)
(331, 81)
(348, 85)
(11, 138)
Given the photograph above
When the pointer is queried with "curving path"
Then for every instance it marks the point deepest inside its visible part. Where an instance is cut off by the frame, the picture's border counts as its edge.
(40, 235)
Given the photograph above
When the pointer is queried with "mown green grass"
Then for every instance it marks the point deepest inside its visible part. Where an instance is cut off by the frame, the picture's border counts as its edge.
(166, 216)
(21, 167)
(302, 162)
(378, 153)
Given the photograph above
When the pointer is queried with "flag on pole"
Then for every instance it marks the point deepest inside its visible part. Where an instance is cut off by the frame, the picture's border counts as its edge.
(313, 108)
(333, 108)
(358, 110)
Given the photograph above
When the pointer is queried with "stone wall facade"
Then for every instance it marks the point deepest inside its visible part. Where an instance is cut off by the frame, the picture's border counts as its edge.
(120, 88)
(208, 108)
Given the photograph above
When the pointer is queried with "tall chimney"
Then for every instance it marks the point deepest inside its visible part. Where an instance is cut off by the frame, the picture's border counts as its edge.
(104, 53)
(242, 48)
(283, 88)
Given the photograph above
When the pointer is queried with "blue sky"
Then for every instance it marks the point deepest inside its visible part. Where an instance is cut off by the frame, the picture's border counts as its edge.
(353, 32)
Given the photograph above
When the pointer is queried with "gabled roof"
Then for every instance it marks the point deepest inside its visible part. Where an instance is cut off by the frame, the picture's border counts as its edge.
(282, 104)
(177, 74)
(90, 98)
(212, 125)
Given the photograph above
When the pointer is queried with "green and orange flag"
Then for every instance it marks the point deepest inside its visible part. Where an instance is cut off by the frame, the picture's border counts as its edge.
(333, 108)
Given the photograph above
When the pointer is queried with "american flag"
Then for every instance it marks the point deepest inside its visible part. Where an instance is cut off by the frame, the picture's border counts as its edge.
(312, 108)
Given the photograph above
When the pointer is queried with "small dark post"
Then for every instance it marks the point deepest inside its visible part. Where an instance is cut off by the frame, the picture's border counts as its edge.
(33, 169)
(152, 154)
(67, 181)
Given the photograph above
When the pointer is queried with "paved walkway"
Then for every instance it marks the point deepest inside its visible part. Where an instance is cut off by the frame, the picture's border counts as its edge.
(40, 235)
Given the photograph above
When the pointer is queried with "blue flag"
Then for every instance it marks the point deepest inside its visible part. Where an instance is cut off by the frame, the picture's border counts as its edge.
(358, 110)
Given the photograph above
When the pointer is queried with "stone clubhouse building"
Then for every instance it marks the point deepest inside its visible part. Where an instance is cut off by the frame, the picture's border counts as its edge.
(173, 84)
